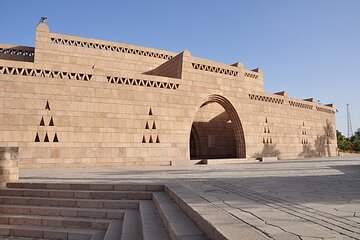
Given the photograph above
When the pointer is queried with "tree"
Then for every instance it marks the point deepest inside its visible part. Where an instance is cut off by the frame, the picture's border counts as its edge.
(343, 143)
(349, 145)
(355, 140)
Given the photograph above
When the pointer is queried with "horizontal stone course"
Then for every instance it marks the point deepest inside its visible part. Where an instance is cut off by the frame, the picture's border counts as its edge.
(99, 194)
(37, 232)
(93, 186)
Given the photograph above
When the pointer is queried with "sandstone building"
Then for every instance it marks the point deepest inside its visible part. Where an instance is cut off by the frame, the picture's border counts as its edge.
(80, 102)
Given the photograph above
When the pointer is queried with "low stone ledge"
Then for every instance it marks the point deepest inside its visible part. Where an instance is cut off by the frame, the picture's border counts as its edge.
(9, 170)
(228, 161)
(267, 159)
(184, 162)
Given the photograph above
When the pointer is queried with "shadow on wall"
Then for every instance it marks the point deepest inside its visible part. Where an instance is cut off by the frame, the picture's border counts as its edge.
(213, 138)
(321, 145)
(269, 150)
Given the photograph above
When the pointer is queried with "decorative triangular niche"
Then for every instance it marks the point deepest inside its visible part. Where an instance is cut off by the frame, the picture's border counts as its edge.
(42, 122)
(46, 138)
(151, 128)
(37, 138)
(51, 123)
(42, 126)
(55, 138)
(47, 107)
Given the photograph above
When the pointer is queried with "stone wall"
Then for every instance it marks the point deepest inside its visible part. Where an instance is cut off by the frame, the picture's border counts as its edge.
(9, 171)
(85, 102)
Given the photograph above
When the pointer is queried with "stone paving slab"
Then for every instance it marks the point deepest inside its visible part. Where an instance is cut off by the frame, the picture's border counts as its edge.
(298, 199)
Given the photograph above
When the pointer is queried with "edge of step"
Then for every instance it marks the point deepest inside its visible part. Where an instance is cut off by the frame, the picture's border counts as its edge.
(212, 220)
(175, 219)
(87, 186)
(151, 223)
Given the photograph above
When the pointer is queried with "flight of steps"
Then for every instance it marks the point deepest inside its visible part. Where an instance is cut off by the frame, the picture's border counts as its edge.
(92, 212)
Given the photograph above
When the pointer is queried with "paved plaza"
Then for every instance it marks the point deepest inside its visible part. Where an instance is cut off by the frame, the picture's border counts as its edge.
(300, 199)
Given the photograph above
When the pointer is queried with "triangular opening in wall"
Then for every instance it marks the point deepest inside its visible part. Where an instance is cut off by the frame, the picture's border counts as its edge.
(150, 112)
(304, 124)
(37, 138)
(55, 138)
(154, 125)
(266, 121)
(264, 130)
(143, 139)
(267, 140)
(47, 107)
(51, 123)
(46, 139)
(157, 139)
(42, 122)
(263, 140)
(151, 140)
(147, 125)
(268, 130)
(270, 140)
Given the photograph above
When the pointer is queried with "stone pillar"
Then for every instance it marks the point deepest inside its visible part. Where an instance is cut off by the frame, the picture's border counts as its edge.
(9, 170)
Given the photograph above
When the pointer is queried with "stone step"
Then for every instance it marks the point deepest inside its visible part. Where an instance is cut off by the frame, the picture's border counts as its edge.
(57, 221)
(48, 232)
(62, 211)
(151, 224)
(87, 186)
(130, 228)
(114, 230)
(67, 202)
(76, 194)
(178, 224)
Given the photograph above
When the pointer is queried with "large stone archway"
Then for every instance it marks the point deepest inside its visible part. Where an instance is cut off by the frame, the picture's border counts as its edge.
(217, 132)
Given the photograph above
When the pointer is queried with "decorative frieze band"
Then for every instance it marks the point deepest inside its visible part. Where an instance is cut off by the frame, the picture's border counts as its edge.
(208, 68)
(44, 73)
(266, 99)
(142, 82)
(17, 52)
(291, 103)
(113, 48)
(251, 75)
(300, 105)
(324, 110)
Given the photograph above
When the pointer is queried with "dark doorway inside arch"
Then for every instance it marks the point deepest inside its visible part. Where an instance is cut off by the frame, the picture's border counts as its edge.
(212, 133)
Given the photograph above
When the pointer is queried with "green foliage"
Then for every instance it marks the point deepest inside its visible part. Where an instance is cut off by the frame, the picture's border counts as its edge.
(349, 144)
(356, 140)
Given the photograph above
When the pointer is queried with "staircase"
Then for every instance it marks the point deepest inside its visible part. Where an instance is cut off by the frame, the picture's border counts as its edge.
(92, 212)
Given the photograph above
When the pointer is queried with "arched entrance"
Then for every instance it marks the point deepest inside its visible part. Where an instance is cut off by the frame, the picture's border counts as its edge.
(216, 131)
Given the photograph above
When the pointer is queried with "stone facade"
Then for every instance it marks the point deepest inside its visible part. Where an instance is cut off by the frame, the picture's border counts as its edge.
(9, 171)
(80, 102)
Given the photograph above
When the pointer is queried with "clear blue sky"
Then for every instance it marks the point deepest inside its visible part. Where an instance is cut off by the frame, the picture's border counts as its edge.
(310, 48)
